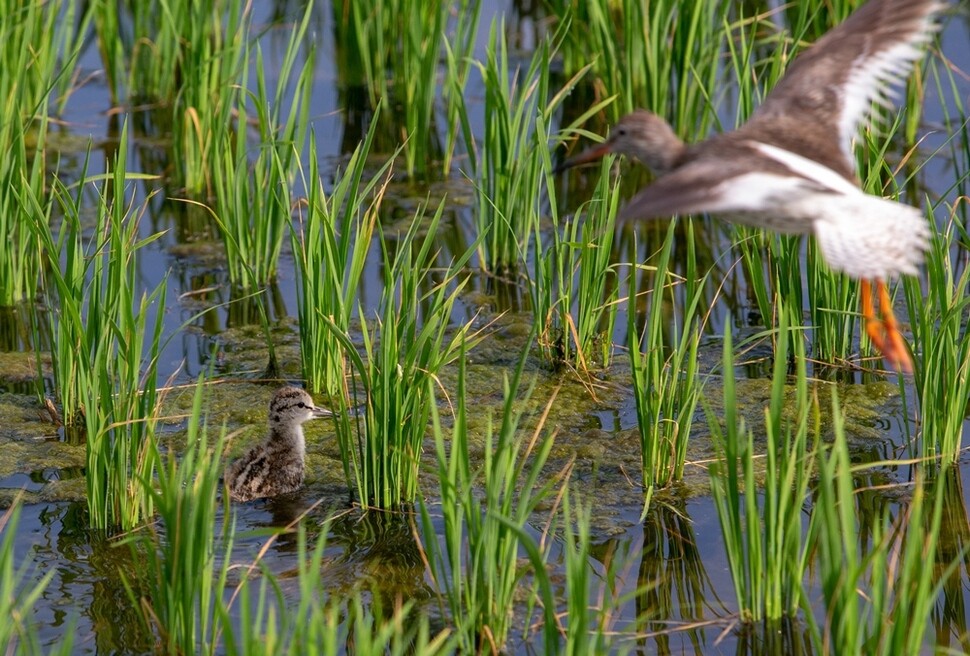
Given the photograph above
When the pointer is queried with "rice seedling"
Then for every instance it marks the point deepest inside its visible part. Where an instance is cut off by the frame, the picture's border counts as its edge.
(765, 545)
(458, 60)
(514, 168)
(39, 46)
(105, 371)
(20, 250)
(405, 347)
(150, 49)
(415, 72)
(330, 248)
(319, 625)
(70, 277)
(660, 55)
(186, 57)
(832, 302)
(509, 192)
(183, 584)
(588, 624)
(37, 49)
(394, 48)
(252, 201)
(938, 318)
(364, 39)
(203, 110)
(474, 563)
(899, 571)
(665, 387)
(938, 310)
(574, 288)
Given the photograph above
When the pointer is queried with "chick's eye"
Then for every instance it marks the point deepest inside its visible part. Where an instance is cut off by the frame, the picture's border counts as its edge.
(301, 404)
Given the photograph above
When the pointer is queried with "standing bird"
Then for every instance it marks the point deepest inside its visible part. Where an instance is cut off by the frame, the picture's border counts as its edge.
(277, 465)
(789, 168)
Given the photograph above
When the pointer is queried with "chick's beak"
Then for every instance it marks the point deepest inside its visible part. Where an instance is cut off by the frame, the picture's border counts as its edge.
(319, 412)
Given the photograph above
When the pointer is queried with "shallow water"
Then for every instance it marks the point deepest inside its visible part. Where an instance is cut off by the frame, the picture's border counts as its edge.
(675, 558)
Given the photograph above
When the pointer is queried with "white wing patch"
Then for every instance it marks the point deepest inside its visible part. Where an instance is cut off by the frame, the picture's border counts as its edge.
(807, 168)
(872, 75)
(870, 80)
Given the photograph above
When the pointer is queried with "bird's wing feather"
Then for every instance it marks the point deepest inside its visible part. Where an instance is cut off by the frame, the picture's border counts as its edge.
(679, 192)
(832, 85)
(720, 185)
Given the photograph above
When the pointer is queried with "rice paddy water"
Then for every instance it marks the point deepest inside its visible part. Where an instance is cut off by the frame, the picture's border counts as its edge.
(203, 201)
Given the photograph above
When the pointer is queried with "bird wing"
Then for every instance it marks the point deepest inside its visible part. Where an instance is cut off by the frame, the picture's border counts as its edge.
(817, 107)
(681, 192)
(727, 176)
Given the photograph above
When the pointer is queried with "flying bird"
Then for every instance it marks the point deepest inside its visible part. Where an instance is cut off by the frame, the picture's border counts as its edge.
(790, 167)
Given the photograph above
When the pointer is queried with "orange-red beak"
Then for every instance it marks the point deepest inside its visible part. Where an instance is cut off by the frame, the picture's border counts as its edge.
(591, 154)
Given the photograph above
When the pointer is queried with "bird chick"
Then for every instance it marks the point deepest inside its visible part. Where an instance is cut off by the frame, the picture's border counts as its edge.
(276, 466)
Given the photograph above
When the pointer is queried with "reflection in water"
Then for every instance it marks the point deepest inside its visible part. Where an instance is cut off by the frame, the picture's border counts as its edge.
(381, 548)
(789, 637)
(673, 584)
(247, 307)
(90, 571)
(15, 327)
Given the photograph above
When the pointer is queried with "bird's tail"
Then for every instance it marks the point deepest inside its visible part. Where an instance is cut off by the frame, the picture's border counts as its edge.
(873, 238)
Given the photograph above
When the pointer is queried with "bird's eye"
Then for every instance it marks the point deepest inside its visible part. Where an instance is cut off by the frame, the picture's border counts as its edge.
(301, 404)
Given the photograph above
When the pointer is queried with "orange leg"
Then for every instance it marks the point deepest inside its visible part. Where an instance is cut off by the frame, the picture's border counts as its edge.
(874, 326)
(883, 331)
(894, 349)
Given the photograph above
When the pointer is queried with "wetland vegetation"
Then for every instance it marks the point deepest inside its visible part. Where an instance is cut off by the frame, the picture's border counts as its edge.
(553, 434)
